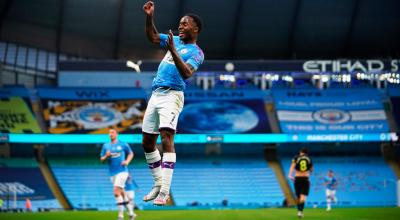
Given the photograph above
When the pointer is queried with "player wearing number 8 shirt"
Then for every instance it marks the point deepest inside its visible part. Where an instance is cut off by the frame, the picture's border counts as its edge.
(302, 164)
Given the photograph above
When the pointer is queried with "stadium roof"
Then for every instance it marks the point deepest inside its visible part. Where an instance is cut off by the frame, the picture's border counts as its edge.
(233, 29)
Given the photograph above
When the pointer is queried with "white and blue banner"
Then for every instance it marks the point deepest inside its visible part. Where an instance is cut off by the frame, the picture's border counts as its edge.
(330, 111)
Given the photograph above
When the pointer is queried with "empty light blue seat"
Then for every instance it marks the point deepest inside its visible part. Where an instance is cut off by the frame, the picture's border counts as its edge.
(89, 186)
(240, 181)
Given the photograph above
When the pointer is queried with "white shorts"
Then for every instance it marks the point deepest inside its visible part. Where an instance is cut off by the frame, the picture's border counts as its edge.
(119, 180)
(162, 111)
(330, 193)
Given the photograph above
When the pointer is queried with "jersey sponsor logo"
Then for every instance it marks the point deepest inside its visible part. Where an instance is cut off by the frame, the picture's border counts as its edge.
(115, 155)
(331, 116)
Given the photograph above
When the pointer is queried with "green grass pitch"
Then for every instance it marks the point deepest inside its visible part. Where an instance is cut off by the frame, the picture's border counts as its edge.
(271, 213)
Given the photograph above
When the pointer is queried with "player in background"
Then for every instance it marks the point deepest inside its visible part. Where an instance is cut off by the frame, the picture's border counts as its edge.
(118, 154)
(130, 186)
(182, 59)
(302, 165)
(331, 184)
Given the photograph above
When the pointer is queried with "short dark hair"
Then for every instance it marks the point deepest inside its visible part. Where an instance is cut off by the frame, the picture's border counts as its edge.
(304, 150)
(196, 20)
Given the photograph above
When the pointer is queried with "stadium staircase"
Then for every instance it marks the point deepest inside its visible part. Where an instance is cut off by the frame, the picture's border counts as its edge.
(38, 111)
(272, 158)
(390, 114)
(272, 117)
(389, 149)
(273, 162)
(391, 158)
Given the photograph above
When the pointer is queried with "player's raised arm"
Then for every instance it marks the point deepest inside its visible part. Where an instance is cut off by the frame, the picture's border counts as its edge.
(150, 28)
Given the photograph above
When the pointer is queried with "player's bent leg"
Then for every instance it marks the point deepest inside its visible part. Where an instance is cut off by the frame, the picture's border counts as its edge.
(328, 200)
(153, 158)
(301, 203)
(328, 204)
(167, 139)
(334, 198)
(168, 165)
(299, 187)
(152, 155)
(298, 195)
(119, 193)
(119, 199)
(149, 141)
(130, 203)
(169, 112)
(300, 206)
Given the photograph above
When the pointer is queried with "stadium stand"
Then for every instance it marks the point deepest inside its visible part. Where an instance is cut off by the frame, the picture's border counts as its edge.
(226, 181)
(241, 182)
(22, 178)
(94, 189)
(362, 181)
